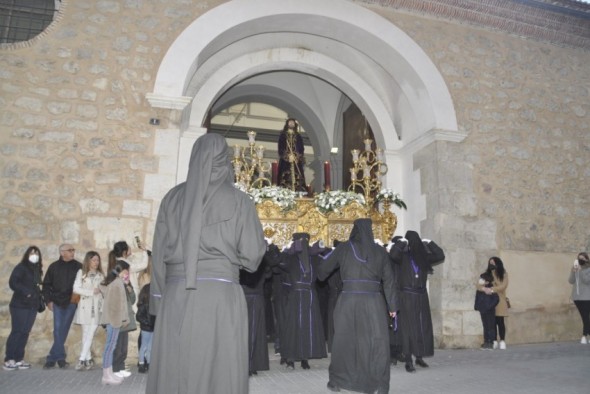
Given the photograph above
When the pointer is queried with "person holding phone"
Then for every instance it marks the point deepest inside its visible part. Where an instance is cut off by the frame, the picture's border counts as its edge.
(580, 280)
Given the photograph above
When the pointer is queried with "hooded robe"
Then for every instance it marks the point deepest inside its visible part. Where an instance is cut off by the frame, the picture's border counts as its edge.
(360, 347)
(414, 261)
(206, 231)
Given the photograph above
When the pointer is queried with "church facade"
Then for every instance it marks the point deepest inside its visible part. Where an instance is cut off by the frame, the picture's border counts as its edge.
(482, 109)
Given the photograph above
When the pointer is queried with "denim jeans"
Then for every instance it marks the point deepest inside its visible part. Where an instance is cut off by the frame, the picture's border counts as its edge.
(109, 346)
(120, 352)
(146, 346)
(488, 320)
(62, 321)
(22, 320)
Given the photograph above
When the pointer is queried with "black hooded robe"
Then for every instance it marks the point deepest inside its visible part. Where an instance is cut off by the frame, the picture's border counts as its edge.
(302, 334)
(360, 347)
(414, 318)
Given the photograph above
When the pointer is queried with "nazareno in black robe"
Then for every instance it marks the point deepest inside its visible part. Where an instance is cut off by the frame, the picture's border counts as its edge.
(253, 286)
(360, 348)
(302, 334)
(414, 263)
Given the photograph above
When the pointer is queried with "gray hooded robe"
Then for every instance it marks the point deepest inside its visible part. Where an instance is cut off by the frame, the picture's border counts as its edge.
(205, 232)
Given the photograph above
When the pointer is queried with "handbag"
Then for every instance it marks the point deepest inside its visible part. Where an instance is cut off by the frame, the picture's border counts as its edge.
(41, 307)
(75, 298)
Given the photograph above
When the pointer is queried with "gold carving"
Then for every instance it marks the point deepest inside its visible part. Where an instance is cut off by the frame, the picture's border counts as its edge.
(280, 225)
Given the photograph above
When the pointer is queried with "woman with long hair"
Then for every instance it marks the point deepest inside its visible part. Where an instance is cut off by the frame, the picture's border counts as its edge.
(24, 282)
(115, 316)
(499, 285)
(580, 280)
(87, 284)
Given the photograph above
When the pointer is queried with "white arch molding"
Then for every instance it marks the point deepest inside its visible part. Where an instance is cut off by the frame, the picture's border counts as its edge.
(375, 64)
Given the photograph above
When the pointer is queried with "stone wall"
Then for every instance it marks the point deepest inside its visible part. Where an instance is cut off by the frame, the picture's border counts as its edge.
(80, 163)
(517, 187)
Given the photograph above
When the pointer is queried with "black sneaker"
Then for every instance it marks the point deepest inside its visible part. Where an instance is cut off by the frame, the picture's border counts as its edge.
(142, 368)
(49, 365)
(63, 364)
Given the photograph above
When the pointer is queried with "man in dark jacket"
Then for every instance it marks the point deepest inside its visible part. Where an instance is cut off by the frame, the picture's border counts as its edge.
(58, 286)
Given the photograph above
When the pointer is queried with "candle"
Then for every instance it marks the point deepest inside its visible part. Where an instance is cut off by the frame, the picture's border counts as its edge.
(379, 154)
(236, 151)
(368, 143)
(366, 171)
(355, 155)
(352, 174)
(327, 175)
(275, 173)
(251, 137)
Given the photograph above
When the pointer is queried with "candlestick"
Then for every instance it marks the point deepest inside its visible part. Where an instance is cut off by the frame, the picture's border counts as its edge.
(327, 179)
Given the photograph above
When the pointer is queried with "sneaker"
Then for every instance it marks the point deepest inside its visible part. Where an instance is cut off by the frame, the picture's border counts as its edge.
(10, 365)
(502, 345)
(487, 346)
(584, 341)
(23, 365)
(495, 346)
(49, 365)
(63, 364)
(88, 364)
(80, 365)
(122, 374)
(142, 368)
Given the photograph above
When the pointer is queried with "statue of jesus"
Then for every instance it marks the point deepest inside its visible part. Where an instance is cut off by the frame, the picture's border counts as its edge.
(291, 159)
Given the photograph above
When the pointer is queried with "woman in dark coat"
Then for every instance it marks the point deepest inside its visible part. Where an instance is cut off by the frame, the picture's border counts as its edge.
(206, 231)
(415, 259)
(24, 281)
(302, 335)
(360, 348)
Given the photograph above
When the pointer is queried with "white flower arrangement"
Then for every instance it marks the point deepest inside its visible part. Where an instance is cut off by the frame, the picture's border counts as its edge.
(336, 199)
(392, 197)
(241, 187)
(284, 198)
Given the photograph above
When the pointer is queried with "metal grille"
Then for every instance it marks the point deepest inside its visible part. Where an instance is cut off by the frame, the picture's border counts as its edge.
(21, 20)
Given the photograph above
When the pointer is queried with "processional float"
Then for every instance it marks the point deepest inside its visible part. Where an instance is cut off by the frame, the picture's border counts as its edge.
(329, 215)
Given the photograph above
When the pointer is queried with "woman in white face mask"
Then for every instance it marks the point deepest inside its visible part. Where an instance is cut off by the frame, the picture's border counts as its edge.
(24, 281)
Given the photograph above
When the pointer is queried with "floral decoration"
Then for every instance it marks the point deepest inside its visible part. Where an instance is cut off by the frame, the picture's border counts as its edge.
(392, 197)
(334, 200)
(284, 198)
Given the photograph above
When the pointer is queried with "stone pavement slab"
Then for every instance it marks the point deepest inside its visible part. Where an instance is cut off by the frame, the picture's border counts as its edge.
(560, 367)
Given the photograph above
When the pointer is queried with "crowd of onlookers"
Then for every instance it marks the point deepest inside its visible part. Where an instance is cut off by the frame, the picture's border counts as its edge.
(87, 295)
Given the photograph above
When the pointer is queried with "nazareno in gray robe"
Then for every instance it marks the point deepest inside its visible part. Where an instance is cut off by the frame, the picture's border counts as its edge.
(205, 232)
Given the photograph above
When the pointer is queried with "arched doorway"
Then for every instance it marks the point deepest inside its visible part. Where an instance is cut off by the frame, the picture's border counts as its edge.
(312, 56)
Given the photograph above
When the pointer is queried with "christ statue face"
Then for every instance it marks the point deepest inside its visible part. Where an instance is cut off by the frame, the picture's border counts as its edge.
(291, 124)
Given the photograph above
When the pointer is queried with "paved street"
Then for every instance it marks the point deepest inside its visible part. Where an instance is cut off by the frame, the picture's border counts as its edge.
(562, 367)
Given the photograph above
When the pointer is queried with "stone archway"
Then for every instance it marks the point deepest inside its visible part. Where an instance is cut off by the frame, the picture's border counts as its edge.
(363, 55)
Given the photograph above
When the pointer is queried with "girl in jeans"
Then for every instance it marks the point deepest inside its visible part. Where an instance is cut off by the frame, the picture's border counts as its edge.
(115, 315)
(87, 284)
(146, 323)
